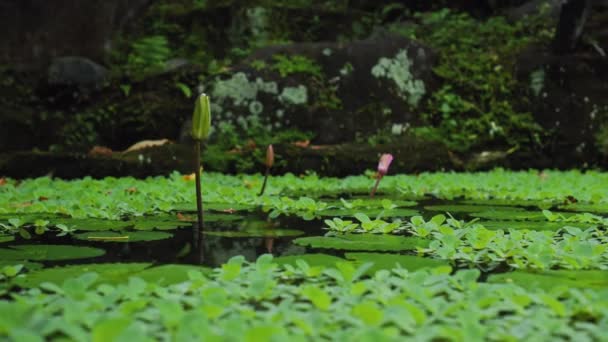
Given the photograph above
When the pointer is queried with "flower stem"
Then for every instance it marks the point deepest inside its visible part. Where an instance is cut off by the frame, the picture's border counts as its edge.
(265, 180)
(375, 186)
(197, 173)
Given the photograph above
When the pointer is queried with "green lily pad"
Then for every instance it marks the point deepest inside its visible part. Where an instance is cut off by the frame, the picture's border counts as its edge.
(48, 252)
(30, 266)
(367, 202)
(363, 242)
(510, 203)
(150, 223)
(108, 273)
(132, 236)
(372, 213)
(6, 238)
(91, 224)
(170, 274)
(221, 207)
(383, 261)
(550, 279)
(514, 215)
(600, 208)
(531, 225)
(113, 273)
(467, 208)
(255, 232)
(312, 259)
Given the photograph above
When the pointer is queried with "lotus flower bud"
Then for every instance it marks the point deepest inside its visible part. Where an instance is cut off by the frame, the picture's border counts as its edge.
(201, 119)
(269, 156)
(385, 162)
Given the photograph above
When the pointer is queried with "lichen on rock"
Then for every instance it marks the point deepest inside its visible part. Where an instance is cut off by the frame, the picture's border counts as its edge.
(294, 95)
(398, 69)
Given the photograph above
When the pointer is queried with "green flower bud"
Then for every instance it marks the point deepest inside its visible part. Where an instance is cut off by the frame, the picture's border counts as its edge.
(201, 119)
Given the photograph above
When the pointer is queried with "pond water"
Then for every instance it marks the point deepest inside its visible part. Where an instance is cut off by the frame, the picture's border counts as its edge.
(174, 239)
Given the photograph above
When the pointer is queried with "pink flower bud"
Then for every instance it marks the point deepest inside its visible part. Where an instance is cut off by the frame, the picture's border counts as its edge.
(385, 162)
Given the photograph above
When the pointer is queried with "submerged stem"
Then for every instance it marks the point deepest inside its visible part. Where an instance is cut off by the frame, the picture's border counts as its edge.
(265, 180)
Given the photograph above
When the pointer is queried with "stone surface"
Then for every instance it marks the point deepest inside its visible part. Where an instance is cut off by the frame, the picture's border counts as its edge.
(76, 71)
(35, 31)
(567, 96)
(348, 90)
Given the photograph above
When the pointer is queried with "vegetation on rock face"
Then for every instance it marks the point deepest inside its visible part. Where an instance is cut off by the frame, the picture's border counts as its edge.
(476, 104)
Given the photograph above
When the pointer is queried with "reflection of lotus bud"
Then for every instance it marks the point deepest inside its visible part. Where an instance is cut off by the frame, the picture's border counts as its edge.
(269, 156)
(385, 162)
(201, 119)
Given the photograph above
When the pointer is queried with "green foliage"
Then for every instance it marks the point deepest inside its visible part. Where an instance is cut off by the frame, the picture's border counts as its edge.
(262, 301)
(475, 105)
(148, 55)
(293, 64)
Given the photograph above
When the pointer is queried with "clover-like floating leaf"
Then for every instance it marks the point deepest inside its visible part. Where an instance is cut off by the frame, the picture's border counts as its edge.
(383, 261)
(363, 242)
(131, 236)
(547, 280)
(48, 252)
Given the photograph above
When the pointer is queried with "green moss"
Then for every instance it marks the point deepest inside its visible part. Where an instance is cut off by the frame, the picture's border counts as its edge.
(476, 106)
(287, 65)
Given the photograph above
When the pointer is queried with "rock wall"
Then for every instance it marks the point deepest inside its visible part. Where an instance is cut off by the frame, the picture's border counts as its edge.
(35, 31)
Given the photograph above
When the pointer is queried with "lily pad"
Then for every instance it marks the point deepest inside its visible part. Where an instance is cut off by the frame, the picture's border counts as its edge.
(170, 274)
(469, 208)
(48, 252)
(510, 203)
(372, 213)
(132, 236)
(550, 279)
(30, 266)
(384, 261)
(363, 242)
(6, 238)
(255, 232)
(514, 215)
(531, 225)
(221, 207)
(312, 259)
(150, 223)
(600, 208)
(113, 273)
(108, 273)
(91, 224)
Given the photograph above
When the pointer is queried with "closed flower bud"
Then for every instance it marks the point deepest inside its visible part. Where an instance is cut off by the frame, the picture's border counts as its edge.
(201, 119)
(385, 162)
(269, 156)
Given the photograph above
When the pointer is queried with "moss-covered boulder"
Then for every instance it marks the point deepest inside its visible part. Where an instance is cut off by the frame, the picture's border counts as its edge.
(339, 91)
